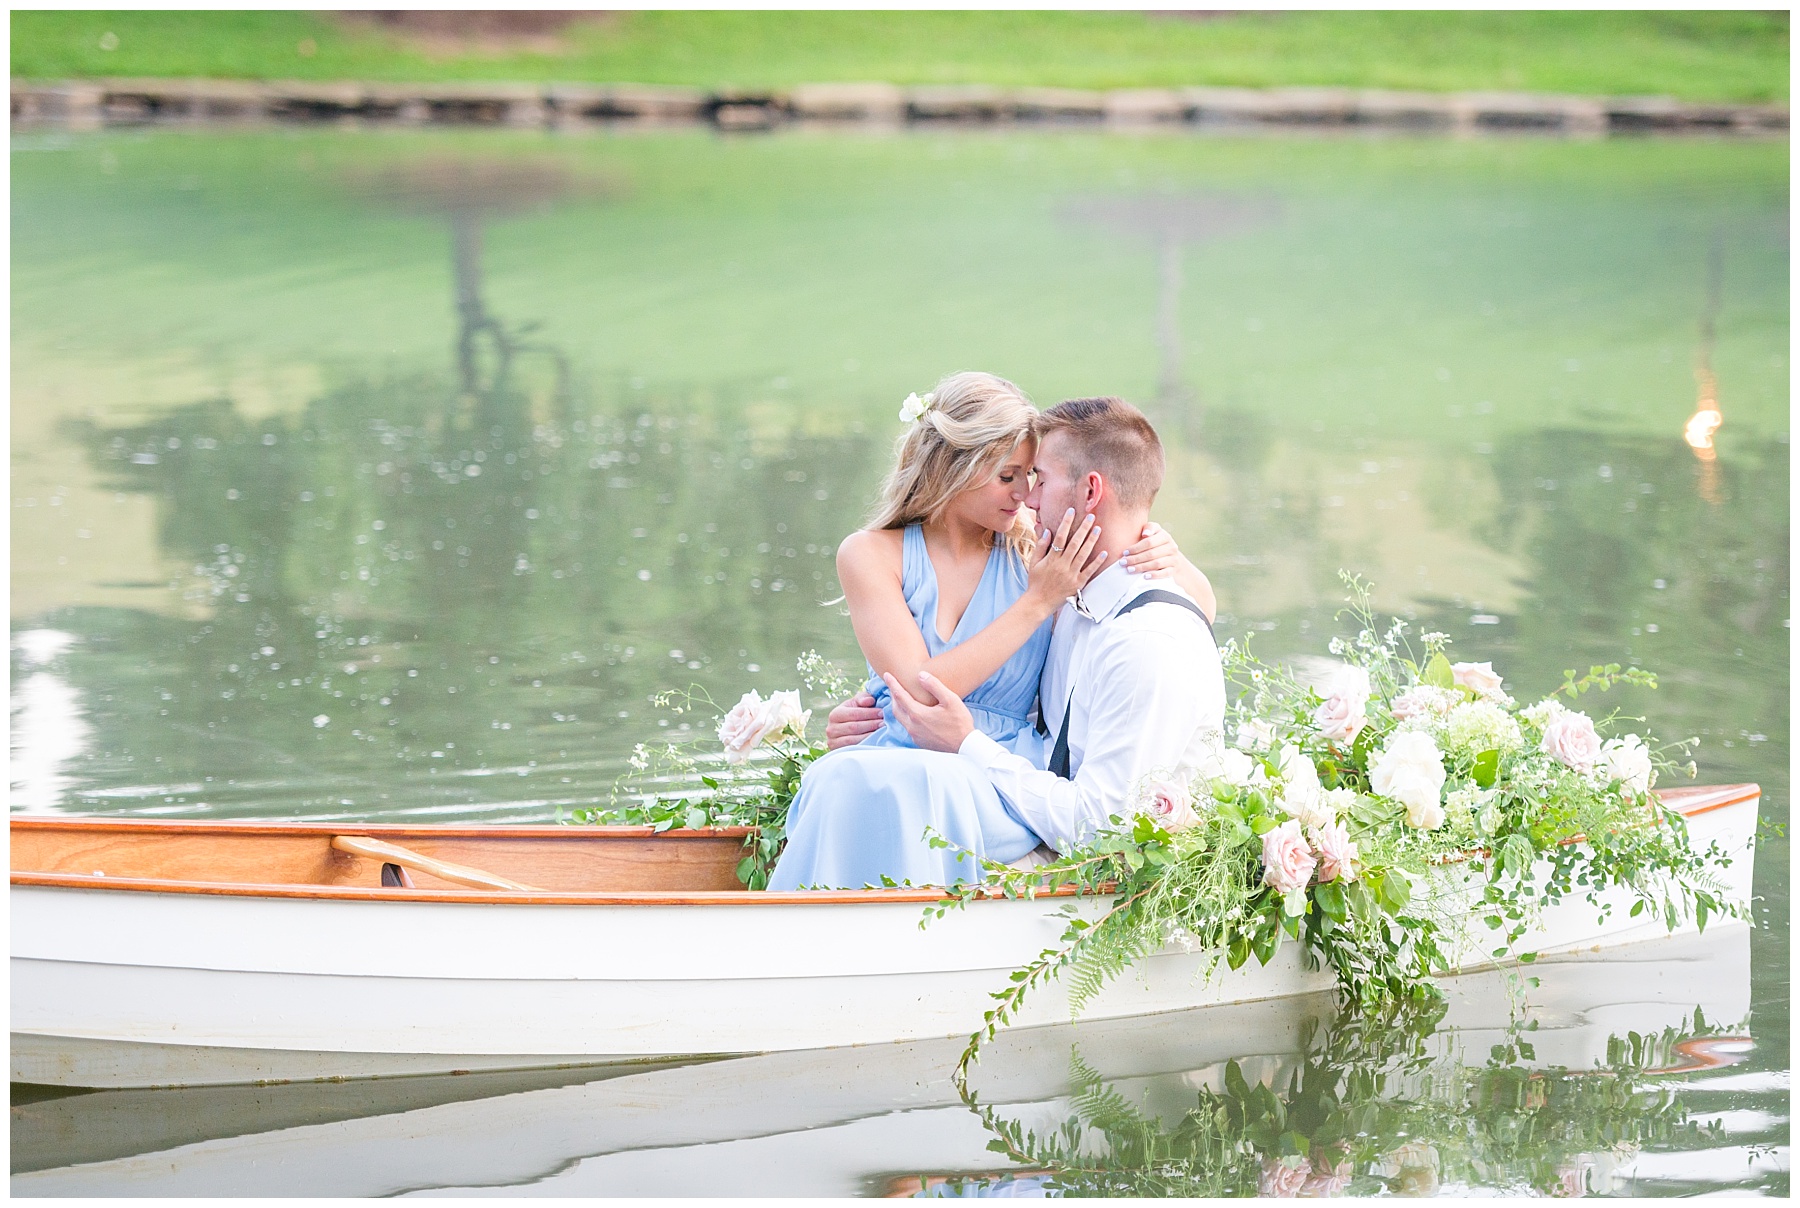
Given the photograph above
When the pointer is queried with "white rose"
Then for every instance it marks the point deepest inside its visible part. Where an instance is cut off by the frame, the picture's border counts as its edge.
(1223, 765)
(1426, 816)
(914, 407)
(785, 716)
(1410, 769)
(1302, 796)
(754, 721)
(1627, 760)
(1479, 678)
(1570, 740)
(1342, 716)
(1254, 734)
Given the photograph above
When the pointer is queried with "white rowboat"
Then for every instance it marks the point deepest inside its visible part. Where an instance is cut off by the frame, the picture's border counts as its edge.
(189, 954)
(838, 1122)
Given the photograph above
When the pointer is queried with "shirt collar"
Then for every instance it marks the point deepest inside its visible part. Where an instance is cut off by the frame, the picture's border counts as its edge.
(1106, 592)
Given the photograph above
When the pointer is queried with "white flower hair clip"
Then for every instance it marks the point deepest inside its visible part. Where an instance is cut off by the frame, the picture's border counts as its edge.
(914, 408)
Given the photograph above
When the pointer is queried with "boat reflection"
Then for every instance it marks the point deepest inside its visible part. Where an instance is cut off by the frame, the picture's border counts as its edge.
(1474, 1093)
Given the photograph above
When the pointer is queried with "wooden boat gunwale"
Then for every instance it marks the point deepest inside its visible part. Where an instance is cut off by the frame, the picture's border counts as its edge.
(1689, 801)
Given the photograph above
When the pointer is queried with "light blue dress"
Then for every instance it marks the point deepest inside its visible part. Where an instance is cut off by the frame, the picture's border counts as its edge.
(862, 812)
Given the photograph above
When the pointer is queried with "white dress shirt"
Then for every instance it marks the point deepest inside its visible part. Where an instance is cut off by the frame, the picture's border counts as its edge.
(1148, 700)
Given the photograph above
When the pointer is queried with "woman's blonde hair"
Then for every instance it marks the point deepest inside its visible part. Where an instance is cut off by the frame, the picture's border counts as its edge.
(975, 421)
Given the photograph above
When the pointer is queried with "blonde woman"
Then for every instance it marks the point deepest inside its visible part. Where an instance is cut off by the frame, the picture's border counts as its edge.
(950, 578)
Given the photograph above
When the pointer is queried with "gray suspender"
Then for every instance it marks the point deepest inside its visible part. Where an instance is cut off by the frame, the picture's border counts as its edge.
(1059, 756)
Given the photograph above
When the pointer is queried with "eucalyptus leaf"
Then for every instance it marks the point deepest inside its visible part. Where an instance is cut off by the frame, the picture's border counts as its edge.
(1438, 673)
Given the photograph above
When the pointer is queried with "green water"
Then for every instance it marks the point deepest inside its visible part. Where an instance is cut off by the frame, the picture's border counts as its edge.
(382, 474)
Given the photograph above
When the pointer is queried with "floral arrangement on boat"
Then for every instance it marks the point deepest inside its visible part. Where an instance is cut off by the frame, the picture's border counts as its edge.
(1375, 818)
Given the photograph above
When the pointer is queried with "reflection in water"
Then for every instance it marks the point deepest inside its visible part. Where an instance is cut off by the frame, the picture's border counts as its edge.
(399, 612)
(420, 615)
(49, 731)
(1369, 1106)
(1707, 417)
(1591, 1083)
(468, 191)
(1173, 222)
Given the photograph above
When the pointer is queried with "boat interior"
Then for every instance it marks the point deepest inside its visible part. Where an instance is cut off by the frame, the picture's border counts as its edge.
(402, 859)
(502, 862)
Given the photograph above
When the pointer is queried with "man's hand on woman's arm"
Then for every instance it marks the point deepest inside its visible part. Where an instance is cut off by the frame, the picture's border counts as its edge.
(852, 721)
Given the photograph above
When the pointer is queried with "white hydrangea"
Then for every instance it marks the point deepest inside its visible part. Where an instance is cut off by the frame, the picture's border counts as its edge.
(1544, 712)
(1478, 725)
(1467, 800)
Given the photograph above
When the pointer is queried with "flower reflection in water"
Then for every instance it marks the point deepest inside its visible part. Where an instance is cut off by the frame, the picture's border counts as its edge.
(1369, 1106)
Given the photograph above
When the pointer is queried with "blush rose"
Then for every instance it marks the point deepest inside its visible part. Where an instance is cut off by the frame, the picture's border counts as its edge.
(1570, 739)
(1341, 717)
(1337, 854)
(1171, 805)
(1288, 861)
(1478, 678)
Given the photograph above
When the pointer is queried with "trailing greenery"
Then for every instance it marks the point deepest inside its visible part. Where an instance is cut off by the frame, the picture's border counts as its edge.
(1376, 819)
(1367, 1109)
(1694, 55)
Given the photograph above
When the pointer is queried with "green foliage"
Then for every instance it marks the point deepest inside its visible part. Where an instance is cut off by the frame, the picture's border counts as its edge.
(1509, 832)
(1699, 55)
(1368, 1108)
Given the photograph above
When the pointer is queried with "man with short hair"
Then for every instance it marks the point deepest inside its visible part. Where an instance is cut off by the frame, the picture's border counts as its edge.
(1132, 689)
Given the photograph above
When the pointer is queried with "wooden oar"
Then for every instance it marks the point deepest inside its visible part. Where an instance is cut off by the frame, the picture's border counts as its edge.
(443, 870)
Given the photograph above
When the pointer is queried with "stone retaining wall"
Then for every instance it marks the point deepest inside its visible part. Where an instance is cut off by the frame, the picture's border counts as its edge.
(92, 103)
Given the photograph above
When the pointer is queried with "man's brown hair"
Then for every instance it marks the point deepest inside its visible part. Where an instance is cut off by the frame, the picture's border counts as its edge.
(1113, 437)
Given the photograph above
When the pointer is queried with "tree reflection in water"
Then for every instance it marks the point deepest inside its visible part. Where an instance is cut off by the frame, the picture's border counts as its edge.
(379, 579)
(1371, 1105)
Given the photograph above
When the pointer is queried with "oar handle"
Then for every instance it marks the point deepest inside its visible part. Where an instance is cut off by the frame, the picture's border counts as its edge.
(443, 870)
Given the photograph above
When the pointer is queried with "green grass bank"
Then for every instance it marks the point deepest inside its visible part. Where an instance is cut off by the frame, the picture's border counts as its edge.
(1697, 56)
